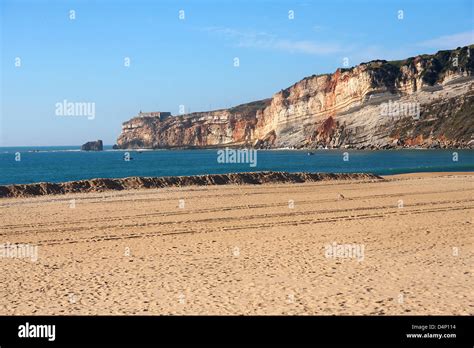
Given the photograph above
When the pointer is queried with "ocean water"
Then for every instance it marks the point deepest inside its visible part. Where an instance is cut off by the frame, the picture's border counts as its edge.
(68, 163)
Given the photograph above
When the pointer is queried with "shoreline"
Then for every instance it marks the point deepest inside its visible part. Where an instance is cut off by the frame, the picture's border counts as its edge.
(109, 148)
(119, 184)
(243, 178)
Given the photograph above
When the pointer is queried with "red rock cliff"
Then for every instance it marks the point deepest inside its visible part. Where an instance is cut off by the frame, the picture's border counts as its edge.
(426, 100)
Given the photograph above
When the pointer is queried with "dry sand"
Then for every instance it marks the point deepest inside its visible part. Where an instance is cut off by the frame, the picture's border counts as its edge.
(246, 249)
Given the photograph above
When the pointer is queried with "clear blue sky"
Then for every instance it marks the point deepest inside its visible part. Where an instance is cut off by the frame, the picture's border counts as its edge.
(190, 61)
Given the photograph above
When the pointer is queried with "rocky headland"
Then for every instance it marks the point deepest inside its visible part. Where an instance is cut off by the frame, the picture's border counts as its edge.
(425, 101)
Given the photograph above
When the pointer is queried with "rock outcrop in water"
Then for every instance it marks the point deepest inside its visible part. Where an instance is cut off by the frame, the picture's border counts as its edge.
(99, 185)
(423, 101)
(93, 146)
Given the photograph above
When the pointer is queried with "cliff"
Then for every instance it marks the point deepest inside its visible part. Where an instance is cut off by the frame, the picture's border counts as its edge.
(99, 185)
(423, 101)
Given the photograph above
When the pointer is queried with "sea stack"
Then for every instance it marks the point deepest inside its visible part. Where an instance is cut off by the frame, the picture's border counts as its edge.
(93, 146)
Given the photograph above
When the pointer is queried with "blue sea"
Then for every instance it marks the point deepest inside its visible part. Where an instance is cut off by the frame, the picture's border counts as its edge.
(68, 163)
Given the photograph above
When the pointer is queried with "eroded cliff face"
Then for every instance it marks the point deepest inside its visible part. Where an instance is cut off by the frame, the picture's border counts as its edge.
(422, 101)
(233, 126)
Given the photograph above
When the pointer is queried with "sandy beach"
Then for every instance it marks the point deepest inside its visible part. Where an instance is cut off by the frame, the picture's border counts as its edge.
(407, 245)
